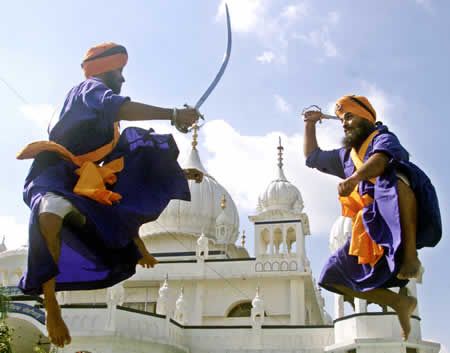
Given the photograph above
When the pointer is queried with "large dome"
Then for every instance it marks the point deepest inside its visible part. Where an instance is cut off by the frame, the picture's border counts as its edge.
(200, 214)
(280, 194)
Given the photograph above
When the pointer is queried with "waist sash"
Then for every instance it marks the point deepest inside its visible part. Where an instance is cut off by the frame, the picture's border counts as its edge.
(361, 244)
(92, 176)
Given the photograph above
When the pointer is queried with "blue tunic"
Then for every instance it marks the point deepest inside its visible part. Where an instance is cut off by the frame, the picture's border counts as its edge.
(102, 252)
(381, 218)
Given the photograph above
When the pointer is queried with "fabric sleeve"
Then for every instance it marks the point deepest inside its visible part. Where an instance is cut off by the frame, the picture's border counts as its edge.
(329, 162)
(389, 144)
(103, 100)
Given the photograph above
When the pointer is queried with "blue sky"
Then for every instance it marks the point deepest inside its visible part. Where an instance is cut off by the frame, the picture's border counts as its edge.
(287, 55)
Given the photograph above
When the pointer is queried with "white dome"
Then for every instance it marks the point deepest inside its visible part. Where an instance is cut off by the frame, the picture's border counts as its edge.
(340, 232)
(201, 213)
(280, 194)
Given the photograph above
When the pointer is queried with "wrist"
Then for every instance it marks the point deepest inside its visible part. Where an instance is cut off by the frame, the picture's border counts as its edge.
(357, 177)
(174, 116)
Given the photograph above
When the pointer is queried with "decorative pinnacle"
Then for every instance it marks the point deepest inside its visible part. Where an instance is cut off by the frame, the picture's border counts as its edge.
(243, 239)
(223, 202)
(280, 153)
(195, 128)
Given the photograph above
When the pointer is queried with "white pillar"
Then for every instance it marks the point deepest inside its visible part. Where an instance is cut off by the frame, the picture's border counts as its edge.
(338, 306)
(300, 246)
(412, 291)
(284, 233)
(271, 246)
(301, 302)
(258, 240)
(197, 316)
(360, 305)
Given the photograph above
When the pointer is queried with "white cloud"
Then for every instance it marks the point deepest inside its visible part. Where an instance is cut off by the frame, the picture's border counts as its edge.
(266, 57)
(39, 114)
(320, 39)
(281, 104)
(16, 234)
(293, 12)
(273, 28)
(379, 100)
(246, 15)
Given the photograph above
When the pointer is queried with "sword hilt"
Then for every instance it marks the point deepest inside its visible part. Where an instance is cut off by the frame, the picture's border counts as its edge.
(316, 108)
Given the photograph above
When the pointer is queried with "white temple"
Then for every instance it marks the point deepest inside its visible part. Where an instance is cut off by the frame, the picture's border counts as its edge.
(207, 295)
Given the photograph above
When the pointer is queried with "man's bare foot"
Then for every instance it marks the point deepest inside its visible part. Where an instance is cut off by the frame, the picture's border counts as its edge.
(58, 333)
(147, 261)
(193, 174)
(410, 269)
(404, 309)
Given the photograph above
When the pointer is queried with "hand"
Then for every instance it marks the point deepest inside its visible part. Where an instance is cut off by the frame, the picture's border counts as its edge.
(186, 118)
(312, 116)
(346, 187)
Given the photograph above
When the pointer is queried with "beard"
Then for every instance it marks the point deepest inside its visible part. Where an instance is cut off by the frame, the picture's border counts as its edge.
(111, 81)
(355, 137)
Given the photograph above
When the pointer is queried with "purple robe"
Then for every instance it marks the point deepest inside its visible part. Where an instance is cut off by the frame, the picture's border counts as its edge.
(381, 218)
(102, 252)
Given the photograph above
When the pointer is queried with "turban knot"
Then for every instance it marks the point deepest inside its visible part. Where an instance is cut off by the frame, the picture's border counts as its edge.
(358, 105)
(103, 58)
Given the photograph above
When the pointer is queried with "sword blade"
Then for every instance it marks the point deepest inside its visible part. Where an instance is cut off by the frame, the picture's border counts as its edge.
(222, 67)
(332, 117)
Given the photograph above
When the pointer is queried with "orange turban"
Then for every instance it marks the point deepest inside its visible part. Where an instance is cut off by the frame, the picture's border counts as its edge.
(103, 58)
(358, 105)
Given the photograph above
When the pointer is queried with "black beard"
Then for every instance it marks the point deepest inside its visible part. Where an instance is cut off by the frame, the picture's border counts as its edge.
(356, 136)
(112, 83)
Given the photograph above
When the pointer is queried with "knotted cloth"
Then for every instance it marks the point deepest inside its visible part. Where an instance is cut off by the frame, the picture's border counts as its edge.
(103, 58)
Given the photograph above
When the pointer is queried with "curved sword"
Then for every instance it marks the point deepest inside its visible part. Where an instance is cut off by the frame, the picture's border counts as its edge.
(222, 67)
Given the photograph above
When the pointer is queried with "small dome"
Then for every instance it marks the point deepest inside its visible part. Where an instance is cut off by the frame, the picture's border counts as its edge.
(202, 212)
(280, 194)
(340, 232)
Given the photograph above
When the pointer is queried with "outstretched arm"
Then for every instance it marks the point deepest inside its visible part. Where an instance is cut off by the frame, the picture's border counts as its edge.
(372, 168)
(138, 111)
(310, 140)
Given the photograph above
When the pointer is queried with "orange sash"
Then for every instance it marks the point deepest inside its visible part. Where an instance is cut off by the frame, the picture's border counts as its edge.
(361, 243)
(92, 177)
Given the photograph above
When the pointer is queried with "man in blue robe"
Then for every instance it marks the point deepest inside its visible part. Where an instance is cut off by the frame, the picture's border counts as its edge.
(90, 188)
(392, 203)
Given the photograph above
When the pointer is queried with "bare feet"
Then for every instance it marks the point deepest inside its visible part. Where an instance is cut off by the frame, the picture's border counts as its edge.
(58, 333)
(193, 174)
(410, 269)
(147, 261)
(404, 308)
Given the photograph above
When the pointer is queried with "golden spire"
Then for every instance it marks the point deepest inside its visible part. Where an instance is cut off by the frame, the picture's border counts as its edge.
(195, 128)
(223, 202)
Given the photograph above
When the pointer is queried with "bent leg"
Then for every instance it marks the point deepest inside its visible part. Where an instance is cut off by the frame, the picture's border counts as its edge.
(50, 226)
(403, 305)
(411, 266)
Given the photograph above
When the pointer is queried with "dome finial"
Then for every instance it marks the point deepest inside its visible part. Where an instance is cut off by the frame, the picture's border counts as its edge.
(223, 202)
(195, 128)
(243, 239)
(280, 153)
(280, 149)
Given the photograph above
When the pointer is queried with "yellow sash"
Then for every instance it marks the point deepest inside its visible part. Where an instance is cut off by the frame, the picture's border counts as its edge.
(92, 177)
(361, 244)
